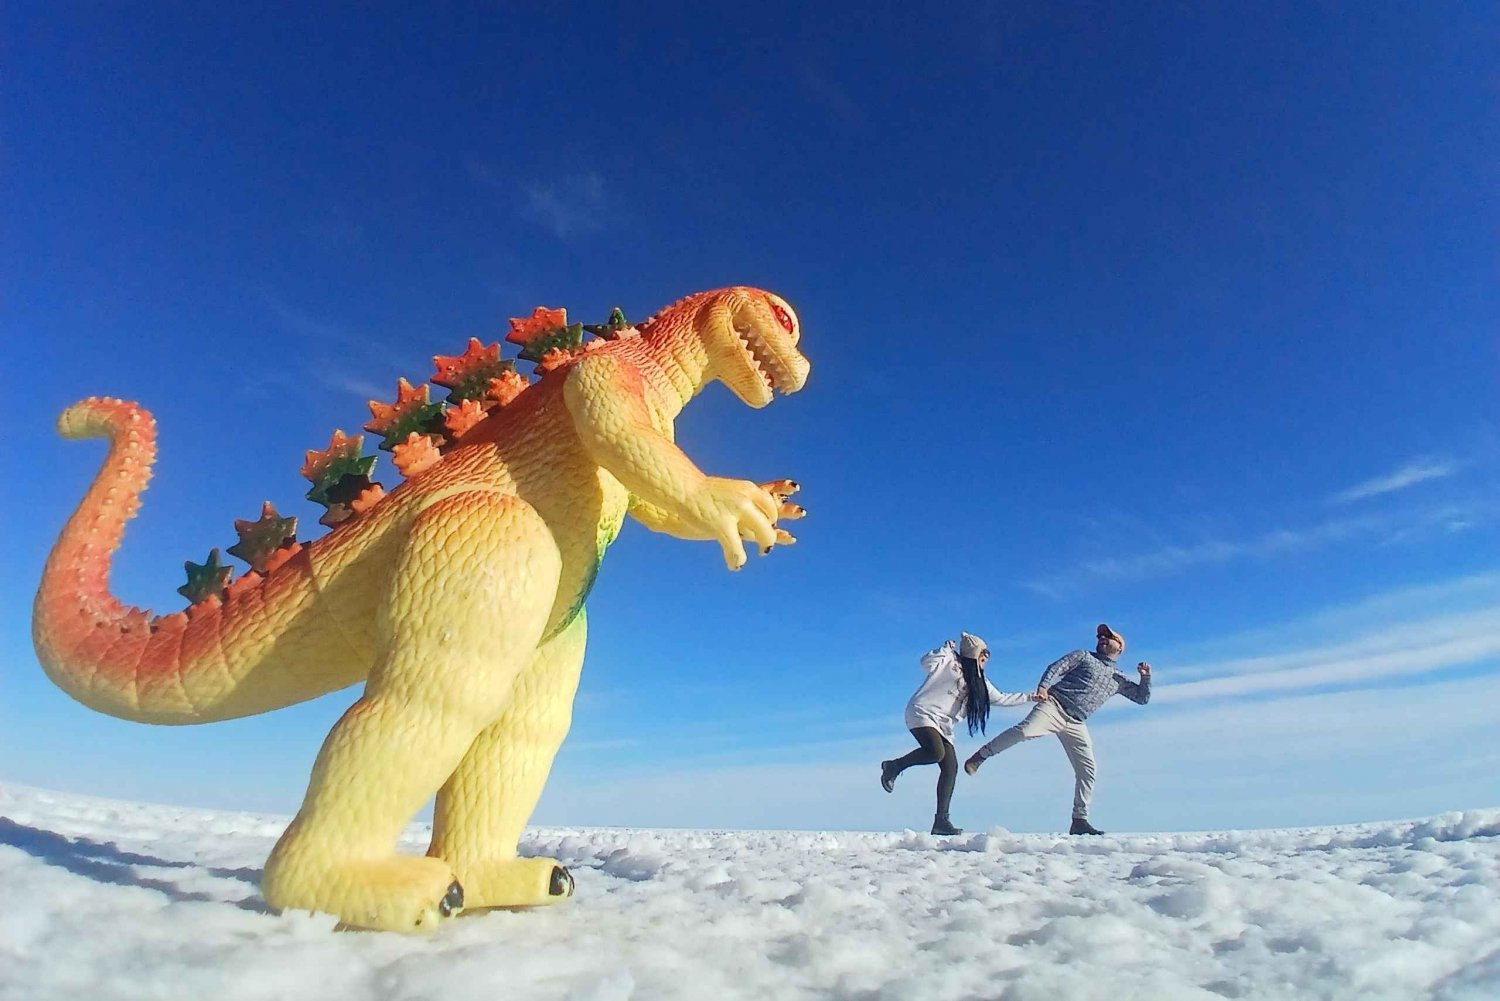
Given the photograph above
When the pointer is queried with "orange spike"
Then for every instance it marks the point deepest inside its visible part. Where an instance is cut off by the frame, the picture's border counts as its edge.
(417, 453)
(174, 623)
(540, 321)
(554, 359)
(451, 369)
(285, 553)
(506, 388)
(237, 588)
(339, 446)
(458, 420)
(368, 498)
(408, 398)
(206, 606)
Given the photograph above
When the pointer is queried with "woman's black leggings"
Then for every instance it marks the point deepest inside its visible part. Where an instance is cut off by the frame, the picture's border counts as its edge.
(933, 748)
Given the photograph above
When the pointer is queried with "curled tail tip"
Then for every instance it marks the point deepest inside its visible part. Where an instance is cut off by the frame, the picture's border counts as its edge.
(101, 417)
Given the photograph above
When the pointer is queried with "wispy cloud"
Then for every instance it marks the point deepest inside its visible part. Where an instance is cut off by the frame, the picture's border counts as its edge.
(1409, 475)
(1174, 558)
(295, 321)
(568, 206)
(1403, 650)
(832, 96)
(1389, 528)
(323, 338)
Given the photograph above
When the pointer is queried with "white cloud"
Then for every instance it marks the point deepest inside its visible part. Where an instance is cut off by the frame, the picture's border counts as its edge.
(1413, 637)
(568, 206)
(297, 322)
(1391, 528)
(1409, 475)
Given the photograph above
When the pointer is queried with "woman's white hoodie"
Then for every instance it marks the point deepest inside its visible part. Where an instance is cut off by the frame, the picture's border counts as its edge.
(939, 702)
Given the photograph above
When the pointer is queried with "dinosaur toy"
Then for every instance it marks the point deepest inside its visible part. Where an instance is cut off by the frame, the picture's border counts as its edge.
(459, 595)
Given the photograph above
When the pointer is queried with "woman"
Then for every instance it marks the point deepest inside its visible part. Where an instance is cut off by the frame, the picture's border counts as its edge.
(955, 684)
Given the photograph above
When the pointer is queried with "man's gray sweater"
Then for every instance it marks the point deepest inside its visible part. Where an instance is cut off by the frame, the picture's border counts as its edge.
(1084, 680)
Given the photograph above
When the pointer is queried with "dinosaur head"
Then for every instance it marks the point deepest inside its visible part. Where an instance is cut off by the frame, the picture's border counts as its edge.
(750, 338)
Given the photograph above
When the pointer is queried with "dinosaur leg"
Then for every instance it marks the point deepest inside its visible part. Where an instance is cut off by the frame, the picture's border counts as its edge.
(485, 804)
(466, 608)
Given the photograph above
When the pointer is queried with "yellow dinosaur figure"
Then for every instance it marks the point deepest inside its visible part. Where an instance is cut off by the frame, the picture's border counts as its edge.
(458, 596)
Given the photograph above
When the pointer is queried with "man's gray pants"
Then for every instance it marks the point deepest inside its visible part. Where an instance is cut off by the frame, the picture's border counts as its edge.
(1044, 719)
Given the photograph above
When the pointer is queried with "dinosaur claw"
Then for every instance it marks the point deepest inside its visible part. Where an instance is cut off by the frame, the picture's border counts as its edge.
(781, 489)
(562, 882)
(453, 900)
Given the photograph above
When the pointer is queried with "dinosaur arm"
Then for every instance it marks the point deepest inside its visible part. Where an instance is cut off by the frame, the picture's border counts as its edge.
(606, 398)
(659, 520)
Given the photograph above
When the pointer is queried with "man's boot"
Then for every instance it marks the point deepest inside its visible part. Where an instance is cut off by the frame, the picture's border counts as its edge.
(1082, 826)
(888, 773)
(941, 825)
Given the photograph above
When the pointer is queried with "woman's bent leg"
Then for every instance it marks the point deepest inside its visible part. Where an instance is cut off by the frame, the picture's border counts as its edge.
(930, 745)
(929, 751)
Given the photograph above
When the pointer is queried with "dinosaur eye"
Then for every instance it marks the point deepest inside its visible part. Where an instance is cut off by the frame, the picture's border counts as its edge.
(782, 318)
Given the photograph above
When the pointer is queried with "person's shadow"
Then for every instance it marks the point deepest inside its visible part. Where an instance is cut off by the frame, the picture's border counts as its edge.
(106, 862)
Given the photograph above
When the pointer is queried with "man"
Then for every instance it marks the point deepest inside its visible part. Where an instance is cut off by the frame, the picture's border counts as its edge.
(1069, 692)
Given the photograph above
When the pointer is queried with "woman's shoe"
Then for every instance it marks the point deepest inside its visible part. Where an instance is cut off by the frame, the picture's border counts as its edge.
(888, 775)
(941, 825)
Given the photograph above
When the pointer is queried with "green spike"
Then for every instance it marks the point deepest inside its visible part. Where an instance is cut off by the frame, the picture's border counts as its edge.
(475, 384)
(332, 488)
(260, 539)
(205, 579)
(609, 329)
(423, 420)
(569, 338)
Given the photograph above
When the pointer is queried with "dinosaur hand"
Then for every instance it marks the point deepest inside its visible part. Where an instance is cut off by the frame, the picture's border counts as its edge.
(737, 511)
(781, 490)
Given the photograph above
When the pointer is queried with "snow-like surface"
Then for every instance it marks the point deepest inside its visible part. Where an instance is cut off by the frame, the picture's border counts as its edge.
(106, 900)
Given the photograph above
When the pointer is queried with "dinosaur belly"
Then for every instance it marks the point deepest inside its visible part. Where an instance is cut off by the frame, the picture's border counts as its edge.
(584, 532)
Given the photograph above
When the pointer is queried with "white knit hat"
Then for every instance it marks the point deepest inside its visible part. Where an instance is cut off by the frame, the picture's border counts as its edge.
(970, 645)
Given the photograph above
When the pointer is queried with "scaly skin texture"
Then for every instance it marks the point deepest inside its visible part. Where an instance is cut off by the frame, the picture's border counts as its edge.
(459, 597)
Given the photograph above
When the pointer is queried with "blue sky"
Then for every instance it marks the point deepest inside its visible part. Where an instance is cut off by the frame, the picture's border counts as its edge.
(1182, 319)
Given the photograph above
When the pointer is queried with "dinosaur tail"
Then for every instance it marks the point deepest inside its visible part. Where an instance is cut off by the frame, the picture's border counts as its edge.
(189, 667)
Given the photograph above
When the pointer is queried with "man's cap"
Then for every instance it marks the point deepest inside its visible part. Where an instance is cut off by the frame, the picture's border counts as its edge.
(970, 645)
(1104, 631)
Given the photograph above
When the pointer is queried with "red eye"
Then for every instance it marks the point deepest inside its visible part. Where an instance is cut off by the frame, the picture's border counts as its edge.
(782, 317)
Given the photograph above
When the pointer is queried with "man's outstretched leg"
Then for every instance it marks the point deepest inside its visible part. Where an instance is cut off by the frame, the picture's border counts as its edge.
(1044, 719)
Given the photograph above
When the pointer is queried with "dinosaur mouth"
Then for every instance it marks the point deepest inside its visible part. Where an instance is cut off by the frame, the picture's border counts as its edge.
(767, 363)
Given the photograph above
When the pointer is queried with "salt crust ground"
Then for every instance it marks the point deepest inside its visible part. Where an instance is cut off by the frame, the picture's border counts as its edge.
(112, 900)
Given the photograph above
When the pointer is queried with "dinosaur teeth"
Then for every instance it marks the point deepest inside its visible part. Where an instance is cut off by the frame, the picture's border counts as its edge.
(765, 362)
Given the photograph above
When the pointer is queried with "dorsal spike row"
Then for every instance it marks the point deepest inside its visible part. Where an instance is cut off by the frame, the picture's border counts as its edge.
(414, 429)
(467, 376)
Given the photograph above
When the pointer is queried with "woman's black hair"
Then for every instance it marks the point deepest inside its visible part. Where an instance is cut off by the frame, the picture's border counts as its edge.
(976, 695)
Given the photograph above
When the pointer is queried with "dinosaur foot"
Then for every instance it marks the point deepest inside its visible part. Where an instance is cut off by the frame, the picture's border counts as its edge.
(404, 893)
(514, 882)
